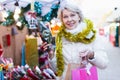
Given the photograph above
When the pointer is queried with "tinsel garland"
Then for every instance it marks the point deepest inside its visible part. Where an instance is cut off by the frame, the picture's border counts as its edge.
(37, 5)
(80, 37)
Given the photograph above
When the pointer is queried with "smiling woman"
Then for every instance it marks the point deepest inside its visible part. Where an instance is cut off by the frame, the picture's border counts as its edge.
(76, 35)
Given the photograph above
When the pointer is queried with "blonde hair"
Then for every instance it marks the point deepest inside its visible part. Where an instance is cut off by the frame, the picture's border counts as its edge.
(70, 5)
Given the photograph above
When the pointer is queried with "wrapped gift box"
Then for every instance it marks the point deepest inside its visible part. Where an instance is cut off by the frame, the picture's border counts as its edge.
(31, 52)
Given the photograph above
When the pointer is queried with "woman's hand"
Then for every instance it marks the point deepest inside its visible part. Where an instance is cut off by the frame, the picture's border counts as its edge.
(44, 46)
(47, 47)
(86, 55)
(51, 53)
(90, 54)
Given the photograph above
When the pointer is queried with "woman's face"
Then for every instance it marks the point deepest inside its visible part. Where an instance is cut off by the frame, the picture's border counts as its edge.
(70, 19)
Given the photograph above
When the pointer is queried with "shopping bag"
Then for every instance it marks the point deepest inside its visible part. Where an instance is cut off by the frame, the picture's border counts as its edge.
(76, 74)
(82, 74)
(31, 51)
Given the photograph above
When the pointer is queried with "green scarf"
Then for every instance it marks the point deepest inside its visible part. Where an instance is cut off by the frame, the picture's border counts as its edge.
(80, 37)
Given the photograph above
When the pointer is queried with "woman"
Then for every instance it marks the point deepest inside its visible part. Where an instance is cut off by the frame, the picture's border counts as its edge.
(75, 42)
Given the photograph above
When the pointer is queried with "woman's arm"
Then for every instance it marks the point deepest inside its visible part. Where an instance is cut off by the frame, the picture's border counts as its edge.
(100, 55)
(100, 59)
(52, 56)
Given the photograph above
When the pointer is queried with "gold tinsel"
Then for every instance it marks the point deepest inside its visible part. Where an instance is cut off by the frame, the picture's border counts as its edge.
(80, 37)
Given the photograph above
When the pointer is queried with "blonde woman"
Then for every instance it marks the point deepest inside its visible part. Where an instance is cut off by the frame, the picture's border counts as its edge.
(76, 40)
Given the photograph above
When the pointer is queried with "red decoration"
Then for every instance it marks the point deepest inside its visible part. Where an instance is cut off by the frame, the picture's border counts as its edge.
(32, 75)
(8, 39)
(101, 31)
(25, 78)
(112, 39)
(1, 50)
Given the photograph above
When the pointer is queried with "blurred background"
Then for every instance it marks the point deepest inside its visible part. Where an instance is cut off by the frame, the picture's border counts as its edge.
(104, 13)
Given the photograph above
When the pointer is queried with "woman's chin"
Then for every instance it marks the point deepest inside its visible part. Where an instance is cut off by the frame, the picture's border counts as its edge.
(71, 27)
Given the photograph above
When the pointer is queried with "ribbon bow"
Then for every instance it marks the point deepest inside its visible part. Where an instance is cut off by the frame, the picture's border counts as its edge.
(32, 14)
(88, 67)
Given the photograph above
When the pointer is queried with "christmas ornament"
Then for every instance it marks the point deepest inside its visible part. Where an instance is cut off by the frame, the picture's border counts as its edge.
(31, 19)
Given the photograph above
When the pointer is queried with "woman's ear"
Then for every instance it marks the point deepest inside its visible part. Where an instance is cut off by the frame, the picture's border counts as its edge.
(79, 19)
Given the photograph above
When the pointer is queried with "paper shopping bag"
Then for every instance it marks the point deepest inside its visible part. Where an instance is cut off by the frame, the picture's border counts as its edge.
(31, 52)
(76, 74)
(81, 74)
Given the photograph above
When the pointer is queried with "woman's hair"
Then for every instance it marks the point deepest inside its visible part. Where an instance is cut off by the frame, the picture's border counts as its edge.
(66, 4)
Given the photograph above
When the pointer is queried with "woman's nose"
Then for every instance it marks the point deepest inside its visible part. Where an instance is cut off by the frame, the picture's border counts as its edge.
(69, 18)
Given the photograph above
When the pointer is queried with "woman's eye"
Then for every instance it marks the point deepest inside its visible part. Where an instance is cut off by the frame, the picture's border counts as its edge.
(65, 16)
(72, 15)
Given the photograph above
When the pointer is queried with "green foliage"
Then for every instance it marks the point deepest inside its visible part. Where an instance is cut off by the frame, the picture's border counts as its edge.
(51, 14)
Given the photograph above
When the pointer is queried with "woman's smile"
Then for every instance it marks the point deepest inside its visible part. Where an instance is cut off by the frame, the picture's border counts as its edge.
(70, 19)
